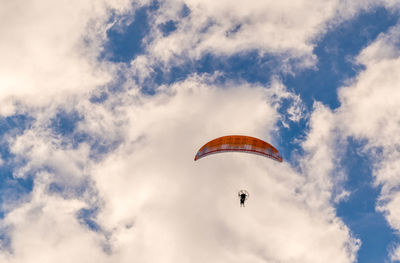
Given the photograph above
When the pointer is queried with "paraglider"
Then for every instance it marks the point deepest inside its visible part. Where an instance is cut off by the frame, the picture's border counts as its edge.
(239, 143)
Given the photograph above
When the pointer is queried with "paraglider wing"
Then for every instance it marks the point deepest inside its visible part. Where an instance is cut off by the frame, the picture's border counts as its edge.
(239, 143)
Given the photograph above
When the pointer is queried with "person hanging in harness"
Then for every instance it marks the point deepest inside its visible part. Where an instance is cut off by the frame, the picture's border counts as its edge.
(243, 195)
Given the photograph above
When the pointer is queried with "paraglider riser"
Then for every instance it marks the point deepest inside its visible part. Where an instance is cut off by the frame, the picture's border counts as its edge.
(238, 150)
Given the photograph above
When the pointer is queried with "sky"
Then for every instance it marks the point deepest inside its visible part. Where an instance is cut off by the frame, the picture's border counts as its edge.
(104, 104)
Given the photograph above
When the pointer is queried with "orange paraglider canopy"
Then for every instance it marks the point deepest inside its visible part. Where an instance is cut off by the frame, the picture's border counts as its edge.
(239, 143)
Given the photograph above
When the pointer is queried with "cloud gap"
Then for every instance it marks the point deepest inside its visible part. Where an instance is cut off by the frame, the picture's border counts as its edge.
(251, 67)
(125, 37)
(12, 188)
(87, 217)
(65, 123)
(168, 27)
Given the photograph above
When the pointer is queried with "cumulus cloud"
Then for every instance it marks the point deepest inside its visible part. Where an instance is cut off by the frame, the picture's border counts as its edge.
(46, 229)
(285, 29)
(134, 162)
(225, 29)
(319, 156)
(51, 49)
(44, 55)
(156, 204)
(369, 110)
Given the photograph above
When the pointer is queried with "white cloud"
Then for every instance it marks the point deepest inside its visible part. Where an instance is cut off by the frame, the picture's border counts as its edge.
(276, 27)
(191, 206)
(45, 229)
(285, 28)
(317, 164)
(43, 53)
(157, 204)
(370, 110)
(49, 49)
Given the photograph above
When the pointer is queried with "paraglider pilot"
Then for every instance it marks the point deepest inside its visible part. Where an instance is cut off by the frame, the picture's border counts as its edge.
(242, 199)
(243, 195)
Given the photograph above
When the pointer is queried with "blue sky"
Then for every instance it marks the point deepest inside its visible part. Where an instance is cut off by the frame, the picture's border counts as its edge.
(103, 114)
